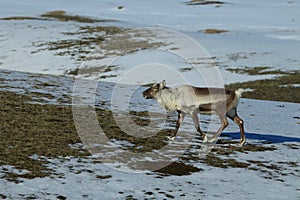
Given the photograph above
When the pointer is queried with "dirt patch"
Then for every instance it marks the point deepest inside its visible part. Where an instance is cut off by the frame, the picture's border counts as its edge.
(63, 16)
(185, 69)
(91, 70)
(178, 169)
(58, 15)
(175, 168)
(214, 31)
(203, 2)
(104, 176)
(21, 18)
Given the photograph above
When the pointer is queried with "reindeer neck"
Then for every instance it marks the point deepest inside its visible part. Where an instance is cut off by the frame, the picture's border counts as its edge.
(167, 99)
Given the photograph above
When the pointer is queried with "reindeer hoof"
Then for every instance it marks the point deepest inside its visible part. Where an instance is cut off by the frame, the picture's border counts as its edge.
(241, 144)
(205, 139)
(211, 140)
(171, 138)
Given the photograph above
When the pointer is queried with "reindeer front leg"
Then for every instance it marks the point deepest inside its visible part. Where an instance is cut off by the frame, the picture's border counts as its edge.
(197, 126)
(178, 123)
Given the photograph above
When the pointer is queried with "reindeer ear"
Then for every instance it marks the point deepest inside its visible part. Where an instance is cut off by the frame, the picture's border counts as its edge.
(162, 84)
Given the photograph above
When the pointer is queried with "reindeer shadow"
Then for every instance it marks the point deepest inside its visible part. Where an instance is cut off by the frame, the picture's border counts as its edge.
(264, 138)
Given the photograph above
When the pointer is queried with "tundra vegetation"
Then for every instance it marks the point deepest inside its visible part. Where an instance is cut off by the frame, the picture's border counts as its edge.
(30, 127)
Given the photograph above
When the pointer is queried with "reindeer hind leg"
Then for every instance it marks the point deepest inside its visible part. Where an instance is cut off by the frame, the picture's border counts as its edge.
(224, 124)
(234, 117)
(240, 123)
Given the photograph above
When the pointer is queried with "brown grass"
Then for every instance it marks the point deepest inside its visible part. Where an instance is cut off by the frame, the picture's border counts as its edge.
(279, 88)
(214, 31)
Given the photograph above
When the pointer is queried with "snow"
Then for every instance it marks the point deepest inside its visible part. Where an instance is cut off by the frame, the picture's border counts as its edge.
(264, 38)
(174, 14)
(261, 33)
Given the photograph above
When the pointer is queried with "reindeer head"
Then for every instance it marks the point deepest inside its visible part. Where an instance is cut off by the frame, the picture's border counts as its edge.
(151, 92)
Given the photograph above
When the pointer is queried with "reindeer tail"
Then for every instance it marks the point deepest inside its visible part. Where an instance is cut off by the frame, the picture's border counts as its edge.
(239, 92)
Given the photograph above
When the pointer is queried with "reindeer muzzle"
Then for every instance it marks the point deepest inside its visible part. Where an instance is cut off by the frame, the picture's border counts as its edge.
(146, 95)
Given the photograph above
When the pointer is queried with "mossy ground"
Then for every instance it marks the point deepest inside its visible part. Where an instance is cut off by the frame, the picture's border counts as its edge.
(284, 87)
(32, 129)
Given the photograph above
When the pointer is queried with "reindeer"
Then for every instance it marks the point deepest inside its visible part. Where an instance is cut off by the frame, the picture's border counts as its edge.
(187, 99)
